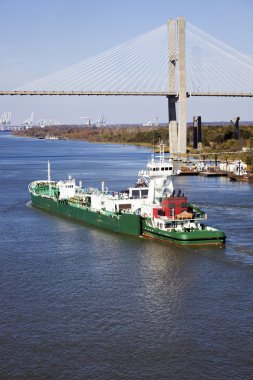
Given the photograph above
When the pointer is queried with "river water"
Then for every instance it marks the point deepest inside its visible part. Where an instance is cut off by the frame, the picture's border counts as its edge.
(78, 302)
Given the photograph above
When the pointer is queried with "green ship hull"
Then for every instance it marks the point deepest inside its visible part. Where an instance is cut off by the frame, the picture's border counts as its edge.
(129, 224)
(200, 237)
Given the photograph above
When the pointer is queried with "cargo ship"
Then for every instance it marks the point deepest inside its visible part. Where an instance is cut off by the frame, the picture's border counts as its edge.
(150, 209)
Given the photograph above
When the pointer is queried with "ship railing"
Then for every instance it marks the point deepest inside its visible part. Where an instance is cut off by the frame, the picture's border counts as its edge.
(30, 187)
(33, 185)
(41, 182)
(174, 219)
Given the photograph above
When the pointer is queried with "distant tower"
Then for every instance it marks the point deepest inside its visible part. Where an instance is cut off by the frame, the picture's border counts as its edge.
(197, 133)
(5, 119)
(236, 121)
(101, 122)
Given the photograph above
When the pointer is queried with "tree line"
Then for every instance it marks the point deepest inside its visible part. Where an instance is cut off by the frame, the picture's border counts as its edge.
(215, 138)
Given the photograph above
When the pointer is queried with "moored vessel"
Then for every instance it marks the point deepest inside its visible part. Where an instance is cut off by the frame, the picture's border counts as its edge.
(151, 208)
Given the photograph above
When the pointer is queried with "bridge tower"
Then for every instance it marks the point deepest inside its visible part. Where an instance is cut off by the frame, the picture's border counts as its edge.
(172, 58)
(177, 69)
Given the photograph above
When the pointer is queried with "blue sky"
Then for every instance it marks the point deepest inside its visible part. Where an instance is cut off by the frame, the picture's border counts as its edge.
(38, 37)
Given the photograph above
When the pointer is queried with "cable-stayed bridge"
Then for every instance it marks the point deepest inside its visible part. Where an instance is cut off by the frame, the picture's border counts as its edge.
(176, 60)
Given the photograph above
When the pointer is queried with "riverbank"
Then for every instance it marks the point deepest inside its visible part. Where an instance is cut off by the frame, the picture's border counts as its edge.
(144, 136)
(216, 139)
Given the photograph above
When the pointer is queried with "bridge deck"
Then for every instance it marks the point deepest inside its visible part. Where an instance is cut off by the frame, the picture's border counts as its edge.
(120, 93)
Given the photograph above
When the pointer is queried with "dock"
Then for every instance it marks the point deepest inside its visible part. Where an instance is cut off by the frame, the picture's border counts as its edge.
(188, 172)
(217, 173)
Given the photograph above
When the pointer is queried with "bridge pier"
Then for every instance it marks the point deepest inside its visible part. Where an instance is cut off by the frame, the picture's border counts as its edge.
(172, 124)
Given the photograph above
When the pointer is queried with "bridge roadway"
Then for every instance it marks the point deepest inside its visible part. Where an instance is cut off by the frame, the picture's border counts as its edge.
(126, 93)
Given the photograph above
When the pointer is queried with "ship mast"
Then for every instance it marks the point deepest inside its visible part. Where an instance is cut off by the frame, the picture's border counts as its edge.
(48, 171)
(49, 176)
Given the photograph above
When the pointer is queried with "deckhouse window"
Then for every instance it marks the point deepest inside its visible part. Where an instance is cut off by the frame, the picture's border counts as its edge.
(135, 194)
(144, 193)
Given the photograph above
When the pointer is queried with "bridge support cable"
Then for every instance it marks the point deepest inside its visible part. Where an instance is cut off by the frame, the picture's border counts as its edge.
(214, 67)
(134, 66)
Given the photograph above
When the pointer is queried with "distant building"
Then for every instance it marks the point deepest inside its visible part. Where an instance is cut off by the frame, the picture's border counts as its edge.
(237, 167)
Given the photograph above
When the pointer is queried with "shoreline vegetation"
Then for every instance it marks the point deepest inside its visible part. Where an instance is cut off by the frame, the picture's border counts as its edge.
(215, 138)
